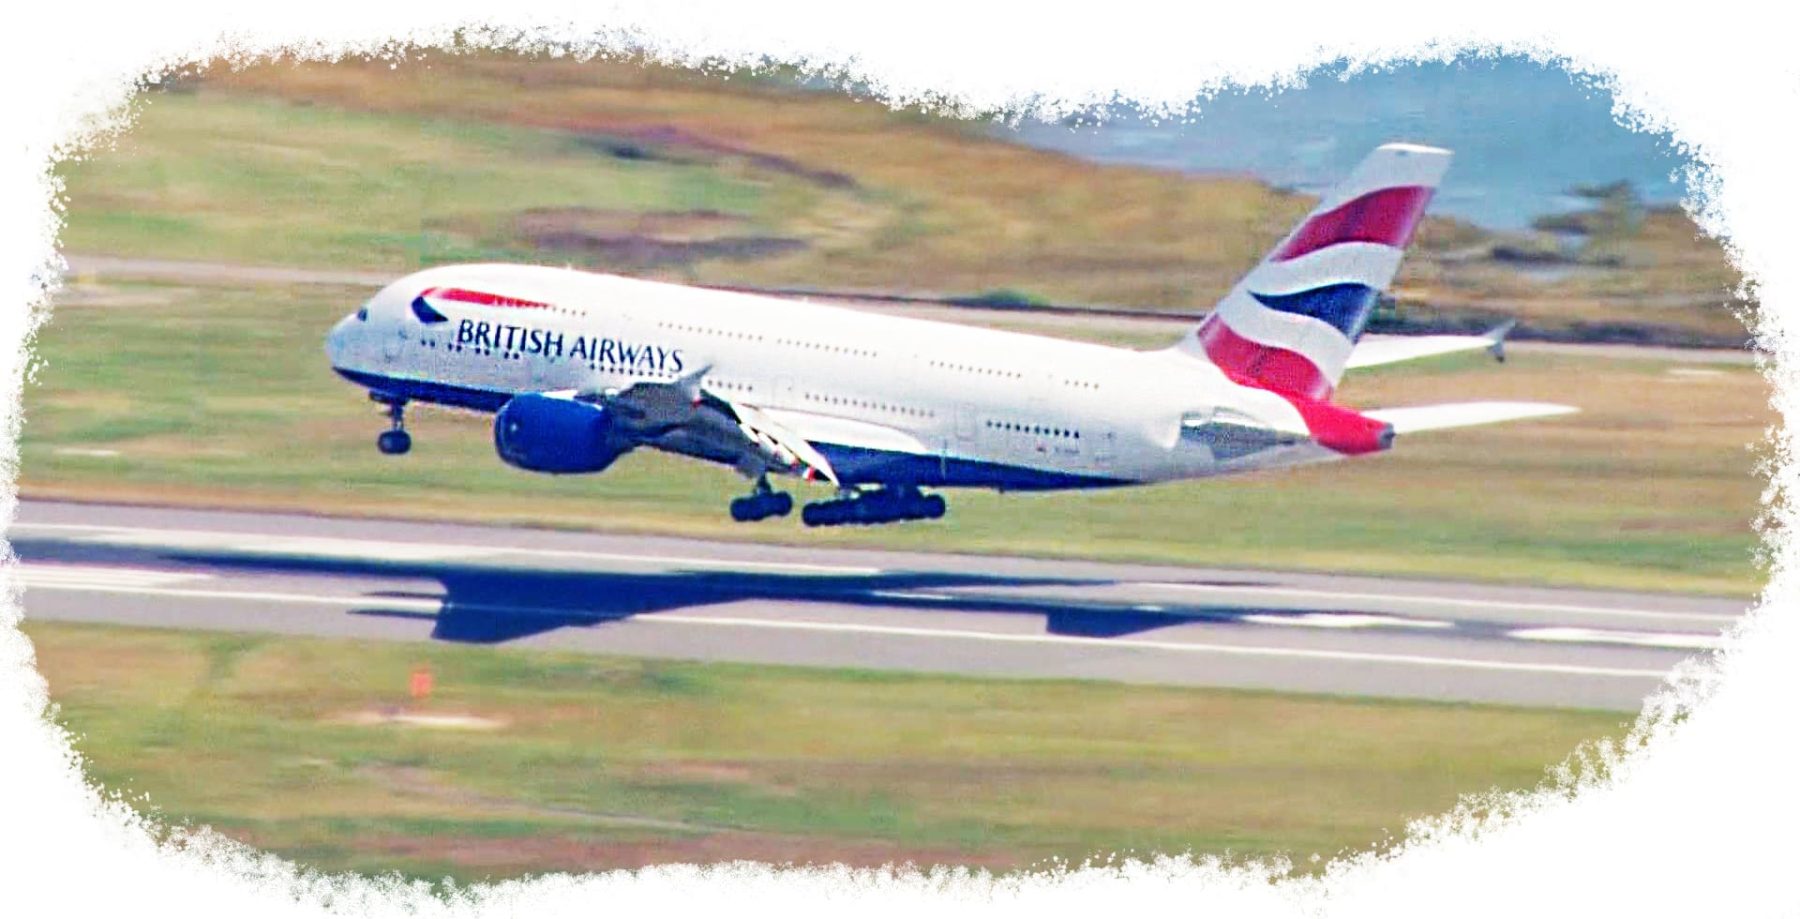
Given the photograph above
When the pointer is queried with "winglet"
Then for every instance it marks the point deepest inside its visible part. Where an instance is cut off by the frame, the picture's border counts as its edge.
(1497, 335)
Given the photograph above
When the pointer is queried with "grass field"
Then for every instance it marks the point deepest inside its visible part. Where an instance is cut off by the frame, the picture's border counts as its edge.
(572, 762)
(222, 396)
(667, 174)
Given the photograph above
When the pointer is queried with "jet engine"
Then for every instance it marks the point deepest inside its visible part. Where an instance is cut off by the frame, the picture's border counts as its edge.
(557, 434)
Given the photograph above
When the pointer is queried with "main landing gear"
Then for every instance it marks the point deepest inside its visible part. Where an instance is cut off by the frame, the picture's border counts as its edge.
(886, 505)
(762, 504)
(395, 440)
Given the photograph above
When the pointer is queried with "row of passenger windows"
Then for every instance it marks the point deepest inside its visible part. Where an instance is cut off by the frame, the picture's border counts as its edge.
(984, 371)
(717, 333)
(751, 336)
(827, 399)
(820, 346)
(1081, 384)
(1042, 430)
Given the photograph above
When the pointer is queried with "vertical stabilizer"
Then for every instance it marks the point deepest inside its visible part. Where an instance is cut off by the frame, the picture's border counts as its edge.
(1291, 324)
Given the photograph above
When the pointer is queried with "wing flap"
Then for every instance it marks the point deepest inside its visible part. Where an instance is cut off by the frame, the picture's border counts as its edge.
(782, 443)
(1413, 419)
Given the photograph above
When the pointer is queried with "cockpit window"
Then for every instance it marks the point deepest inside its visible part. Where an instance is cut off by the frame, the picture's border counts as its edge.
(362, 315)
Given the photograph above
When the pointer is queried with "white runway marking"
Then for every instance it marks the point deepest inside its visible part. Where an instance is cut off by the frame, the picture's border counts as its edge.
(1417, 660)
(47, 575)
(1347, 621)
(1675, 640)
(1464, 602)
(379, 551)
(912, 595)
(305, 546)
(434, 606)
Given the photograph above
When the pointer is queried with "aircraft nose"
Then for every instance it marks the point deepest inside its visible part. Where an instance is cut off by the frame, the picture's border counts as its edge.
(337, 341)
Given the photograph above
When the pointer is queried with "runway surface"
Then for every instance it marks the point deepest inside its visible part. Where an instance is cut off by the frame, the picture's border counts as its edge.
(693, 599)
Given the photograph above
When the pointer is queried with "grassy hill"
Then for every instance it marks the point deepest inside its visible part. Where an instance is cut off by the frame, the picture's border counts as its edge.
(670, 174)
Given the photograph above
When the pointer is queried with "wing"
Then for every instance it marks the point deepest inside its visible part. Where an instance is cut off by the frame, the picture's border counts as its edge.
(682, 415)
(1375, 350)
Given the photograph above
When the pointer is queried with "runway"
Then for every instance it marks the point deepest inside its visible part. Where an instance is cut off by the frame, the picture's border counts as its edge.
(724, 601)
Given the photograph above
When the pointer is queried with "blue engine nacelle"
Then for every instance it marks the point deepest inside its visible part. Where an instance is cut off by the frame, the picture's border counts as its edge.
(557, 435)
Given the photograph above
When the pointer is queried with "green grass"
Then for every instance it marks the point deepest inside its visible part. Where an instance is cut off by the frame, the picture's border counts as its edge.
(599, 762)
(221, 396)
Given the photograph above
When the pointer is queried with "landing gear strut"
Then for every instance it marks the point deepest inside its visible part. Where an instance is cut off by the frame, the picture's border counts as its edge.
(395, 440)
(762, 503)
(887, 505)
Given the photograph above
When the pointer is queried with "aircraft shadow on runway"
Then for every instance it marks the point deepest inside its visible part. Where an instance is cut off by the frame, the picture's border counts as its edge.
(486, 604)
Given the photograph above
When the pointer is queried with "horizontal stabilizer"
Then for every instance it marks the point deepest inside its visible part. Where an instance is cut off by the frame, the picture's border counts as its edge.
(1464, 414)
(1376, 350)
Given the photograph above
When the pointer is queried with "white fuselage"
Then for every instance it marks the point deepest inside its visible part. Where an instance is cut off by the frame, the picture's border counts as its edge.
(1045, 412)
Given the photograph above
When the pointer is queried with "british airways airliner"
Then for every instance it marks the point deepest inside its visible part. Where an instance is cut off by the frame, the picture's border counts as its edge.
(581, 368)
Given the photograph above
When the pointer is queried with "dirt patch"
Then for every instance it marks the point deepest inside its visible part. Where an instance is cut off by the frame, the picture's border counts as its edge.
(674, 226)
(673, 144)
(84, 293)
(564, 852)
(693, 771)
(438, 720)
(648, 240)
(715, 773)
(412, 781)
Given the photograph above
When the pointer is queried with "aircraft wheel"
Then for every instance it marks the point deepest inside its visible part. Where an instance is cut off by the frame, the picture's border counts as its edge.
(393, 443)
(752, 508)
(823, 514)
(935, 507)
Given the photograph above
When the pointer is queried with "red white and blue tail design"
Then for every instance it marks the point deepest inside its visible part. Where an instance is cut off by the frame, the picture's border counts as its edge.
(1290, 325)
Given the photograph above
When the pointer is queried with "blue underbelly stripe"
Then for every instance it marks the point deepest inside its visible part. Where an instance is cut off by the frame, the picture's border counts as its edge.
(854, 465)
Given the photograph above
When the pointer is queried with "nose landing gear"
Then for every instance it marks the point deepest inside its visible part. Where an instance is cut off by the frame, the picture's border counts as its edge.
(761, 504)
(395, 440)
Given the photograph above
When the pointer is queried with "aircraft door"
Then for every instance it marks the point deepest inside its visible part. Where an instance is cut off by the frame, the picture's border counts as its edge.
(395, 343)
(1103, 447)
(965, 423)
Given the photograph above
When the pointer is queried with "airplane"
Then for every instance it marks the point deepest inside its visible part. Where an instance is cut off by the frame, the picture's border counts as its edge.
(580, 368)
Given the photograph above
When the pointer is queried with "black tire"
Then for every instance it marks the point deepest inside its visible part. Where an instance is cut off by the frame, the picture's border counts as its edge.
(935, 507)
(393, 443)
(742, 510)
(781, 504)
(826, 514)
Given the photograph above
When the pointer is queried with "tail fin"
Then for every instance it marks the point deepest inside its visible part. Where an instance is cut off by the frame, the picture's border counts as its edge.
(1291, 324)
